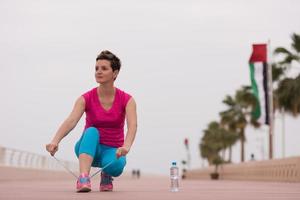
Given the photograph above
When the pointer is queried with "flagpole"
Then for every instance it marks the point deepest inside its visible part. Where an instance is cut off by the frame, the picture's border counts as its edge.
(270, 93)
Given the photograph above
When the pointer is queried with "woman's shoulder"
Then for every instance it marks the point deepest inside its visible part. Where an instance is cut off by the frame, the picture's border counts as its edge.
(89, 93)
(90, 90)
(124, 96)
(122, 92)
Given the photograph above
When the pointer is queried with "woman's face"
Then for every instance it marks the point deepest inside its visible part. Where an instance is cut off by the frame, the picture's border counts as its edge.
(104, 72)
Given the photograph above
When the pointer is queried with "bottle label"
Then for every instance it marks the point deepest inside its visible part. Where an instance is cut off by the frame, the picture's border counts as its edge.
(174, 171)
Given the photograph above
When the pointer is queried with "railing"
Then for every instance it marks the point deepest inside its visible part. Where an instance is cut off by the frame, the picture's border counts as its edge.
(23, 159)
(287, 169)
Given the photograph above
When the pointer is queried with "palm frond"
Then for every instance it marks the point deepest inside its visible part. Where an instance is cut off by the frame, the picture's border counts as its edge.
(277, 71)
(228, 101)
(296, 42)
(288, 59)
(282, 50)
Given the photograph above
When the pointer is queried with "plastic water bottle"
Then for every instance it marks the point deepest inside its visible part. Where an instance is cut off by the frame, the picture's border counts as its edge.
(174, 177)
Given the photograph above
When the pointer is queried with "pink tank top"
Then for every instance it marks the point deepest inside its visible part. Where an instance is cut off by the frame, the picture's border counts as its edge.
(110, 123)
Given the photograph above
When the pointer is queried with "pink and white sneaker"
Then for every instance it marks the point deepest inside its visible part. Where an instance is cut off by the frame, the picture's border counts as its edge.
(106, 183)
(83, 183)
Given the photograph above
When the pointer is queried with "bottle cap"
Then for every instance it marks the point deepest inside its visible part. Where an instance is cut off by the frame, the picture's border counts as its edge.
(174, 163)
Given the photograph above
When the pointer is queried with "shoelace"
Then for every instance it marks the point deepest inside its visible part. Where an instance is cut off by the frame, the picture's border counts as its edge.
(84, 179)
(77, 177)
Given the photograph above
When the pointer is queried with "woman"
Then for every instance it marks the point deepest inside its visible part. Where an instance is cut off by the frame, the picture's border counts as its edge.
(102, 141)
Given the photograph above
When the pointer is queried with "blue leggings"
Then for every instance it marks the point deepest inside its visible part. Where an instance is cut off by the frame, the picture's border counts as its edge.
(101, 154)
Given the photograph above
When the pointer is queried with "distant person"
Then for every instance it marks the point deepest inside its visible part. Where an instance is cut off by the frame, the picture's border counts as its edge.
(133, 173)
(183, 176)
(138, 173)
(102, 141)
(252, 157)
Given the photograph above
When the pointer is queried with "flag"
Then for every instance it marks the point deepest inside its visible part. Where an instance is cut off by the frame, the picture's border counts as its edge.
(259, 82)
(186, 143)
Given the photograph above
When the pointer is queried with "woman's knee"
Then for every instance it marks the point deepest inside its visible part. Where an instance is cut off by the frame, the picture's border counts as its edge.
(88, 143)
(91, 132)
(116, 167)
(76, 149)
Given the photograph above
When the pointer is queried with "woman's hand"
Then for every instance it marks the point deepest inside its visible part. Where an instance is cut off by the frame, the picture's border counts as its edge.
(131, 119)
(52, 148)
(122, 151)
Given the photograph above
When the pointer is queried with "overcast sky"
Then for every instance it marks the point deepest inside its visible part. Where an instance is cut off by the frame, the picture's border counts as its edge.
(179, 60)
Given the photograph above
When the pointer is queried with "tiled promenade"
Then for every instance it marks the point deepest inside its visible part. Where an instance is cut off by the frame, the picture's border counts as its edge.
(36, 185)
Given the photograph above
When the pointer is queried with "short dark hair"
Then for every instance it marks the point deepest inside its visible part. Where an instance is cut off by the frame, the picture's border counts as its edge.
(115, 62)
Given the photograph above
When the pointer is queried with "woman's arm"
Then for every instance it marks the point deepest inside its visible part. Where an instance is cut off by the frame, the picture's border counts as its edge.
(131, 118)
(67, 125)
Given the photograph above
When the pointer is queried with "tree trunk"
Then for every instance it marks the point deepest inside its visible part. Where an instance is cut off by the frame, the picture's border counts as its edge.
(230, 154)
(223, 154)
(242, 145)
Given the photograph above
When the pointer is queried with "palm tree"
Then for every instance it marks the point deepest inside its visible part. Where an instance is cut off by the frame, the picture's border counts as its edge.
(211, 143)
(240, 108)
(230, 138)
(215, 140)
(229, 124)
(290, 56)
(277, 72)
(287, 95)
